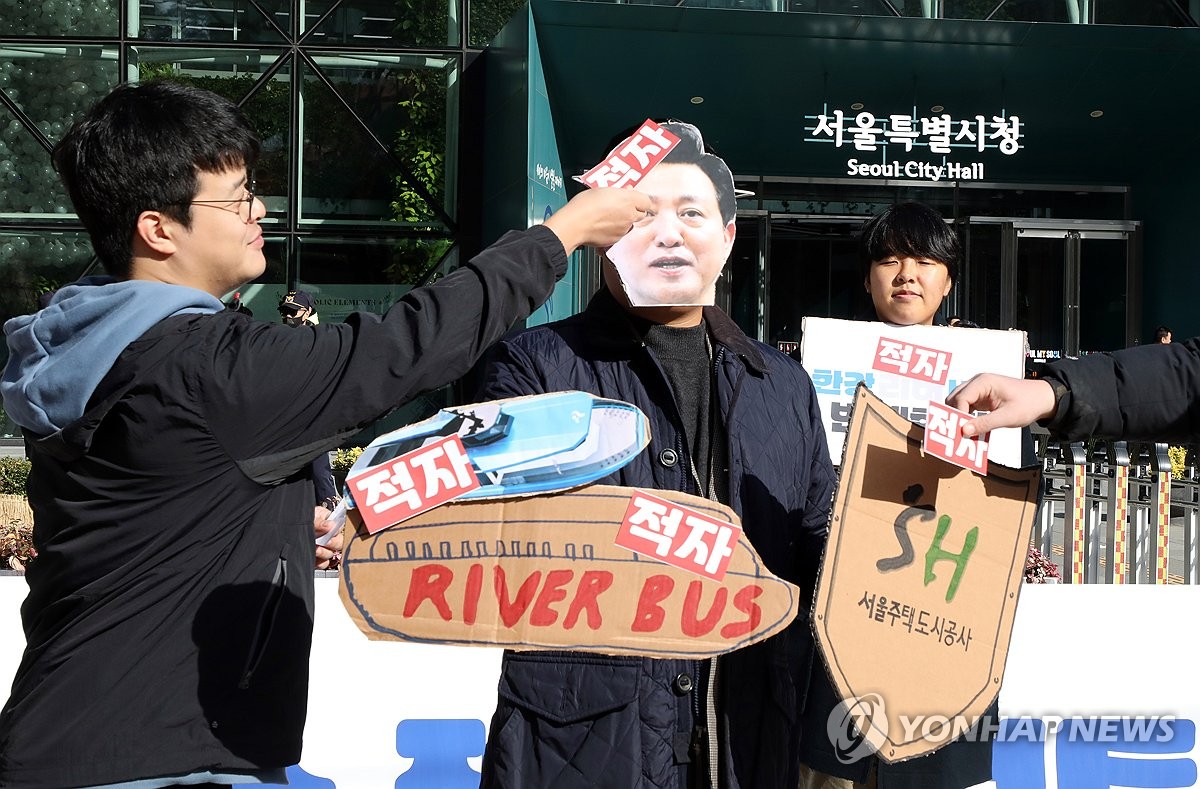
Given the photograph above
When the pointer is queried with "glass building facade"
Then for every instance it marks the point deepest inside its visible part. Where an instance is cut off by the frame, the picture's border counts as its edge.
(357, 105)
(369, 136)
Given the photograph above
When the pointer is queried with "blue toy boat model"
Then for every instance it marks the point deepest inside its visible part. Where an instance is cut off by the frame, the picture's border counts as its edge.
(527, 445)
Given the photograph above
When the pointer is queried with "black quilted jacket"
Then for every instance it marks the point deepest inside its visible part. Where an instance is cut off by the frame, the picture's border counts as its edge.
(583, 720)
(1146, 393)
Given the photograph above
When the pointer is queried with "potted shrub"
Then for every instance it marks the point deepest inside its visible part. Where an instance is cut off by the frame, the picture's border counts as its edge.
(16, 519)
(1039, 569)
(340, 464)
(16, 543)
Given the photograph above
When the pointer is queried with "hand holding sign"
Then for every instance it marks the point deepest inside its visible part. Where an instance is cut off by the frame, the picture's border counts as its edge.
(924, 562)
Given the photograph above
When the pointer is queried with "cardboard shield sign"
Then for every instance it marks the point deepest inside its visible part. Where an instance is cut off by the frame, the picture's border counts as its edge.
(919, 583)
(543, 572)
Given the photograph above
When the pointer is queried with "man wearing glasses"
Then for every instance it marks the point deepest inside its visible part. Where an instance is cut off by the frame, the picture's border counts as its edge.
(170, 607)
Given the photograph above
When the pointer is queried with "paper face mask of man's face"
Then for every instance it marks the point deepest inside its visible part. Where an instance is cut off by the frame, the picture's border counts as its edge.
(674, 255)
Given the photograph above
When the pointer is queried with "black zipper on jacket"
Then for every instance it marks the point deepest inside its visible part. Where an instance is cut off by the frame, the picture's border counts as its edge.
(266, 623)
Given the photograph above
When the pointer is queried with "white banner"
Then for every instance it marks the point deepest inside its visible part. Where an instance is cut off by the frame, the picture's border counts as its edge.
(906, 366)
(1099, 691)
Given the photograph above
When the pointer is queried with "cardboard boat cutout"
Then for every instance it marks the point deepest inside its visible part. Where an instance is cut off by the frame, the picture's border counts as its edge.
(543, 572)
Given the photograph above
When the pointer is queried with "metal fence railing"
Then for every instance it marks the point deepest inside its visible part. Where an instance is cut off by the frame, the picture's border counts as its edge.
(1113, 512)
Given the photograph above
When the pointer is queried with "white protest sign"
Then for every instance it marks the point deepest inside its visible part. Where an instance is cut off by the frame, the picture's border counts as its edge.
(906, 366)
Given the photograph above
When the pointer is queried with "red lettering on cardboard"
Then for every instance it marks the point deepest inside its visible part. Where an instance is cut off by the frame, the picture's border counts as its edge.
(552, 592)
(512, 611)
(471, 595)
(591, 585)
(541, 592)
(650, 615)
(429, 582)
(744, 602)
(693, 627)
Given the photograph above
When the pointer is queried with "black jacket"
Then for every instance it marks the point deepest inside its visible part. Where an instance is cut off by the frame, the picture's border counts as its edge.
(583, 720)
(1144, 393)
(170, 609)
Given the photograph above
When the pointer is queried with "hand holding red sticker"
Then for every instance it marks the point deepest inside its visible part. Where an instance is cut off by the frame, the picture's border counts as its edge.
(633, 158)
(944, 438)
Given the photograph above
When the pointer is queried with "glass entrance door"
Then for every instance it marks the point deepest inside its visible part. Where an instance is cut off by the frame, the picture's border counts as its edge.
(1041, 307)
(1072, 286)
(787, 267)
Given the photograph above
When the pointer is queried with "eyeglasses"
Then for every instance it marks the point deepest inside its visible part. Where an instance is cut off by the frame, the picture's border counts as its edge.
(244, 207)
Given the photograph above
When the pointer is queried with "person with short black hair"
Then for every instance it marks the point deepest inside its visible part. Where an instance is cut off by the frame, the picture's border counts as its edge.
(1162, 335)
(170, 607)
(910, 259)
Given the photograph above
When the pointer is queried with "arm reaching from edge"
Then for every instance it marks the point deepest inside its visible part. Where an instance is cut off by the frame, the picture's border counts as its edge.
(1011, 402)
(597, 217)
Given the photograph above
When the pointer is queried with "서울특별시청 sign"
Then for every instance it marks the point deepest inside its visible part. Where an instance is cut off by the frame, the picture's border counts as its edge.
(879, 141)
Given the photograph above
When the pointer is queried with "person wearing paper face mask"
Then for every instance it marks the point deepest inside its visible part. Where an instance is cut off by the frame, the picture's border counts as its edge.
(732, 420)
(674, 255)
